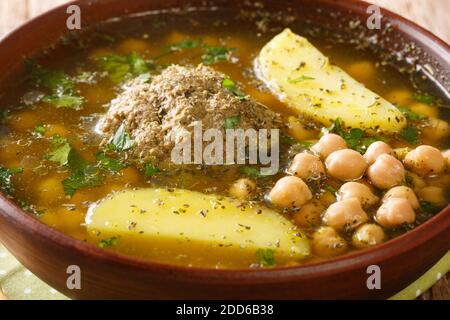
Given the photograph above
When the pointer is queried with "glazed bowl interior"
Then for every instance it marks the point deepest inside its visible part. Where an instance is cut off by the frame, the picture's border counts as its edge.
(399, 42)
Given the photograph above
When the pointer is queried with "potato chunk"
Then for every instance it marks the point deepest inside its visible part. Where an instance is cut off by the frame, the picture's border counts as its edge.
(303, 78)
(205, 228)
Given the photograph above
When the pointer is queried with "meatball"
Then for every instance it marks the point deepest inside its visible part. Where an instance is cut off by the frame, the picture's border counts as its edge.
(242, 188)
(327, 144)
(425, 160)
(375, 150)
(327, 243)
(404, 193)
(290, 192)
(309, 214)
(386, 172)
(368, 235)
(307, 166)
(395, 212)
(345, 214)
(359, 191)
(346, 165)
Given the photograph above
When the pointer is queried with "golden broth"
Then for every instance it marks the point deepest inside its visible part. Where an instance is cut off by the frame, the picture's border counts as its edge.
(40, 184)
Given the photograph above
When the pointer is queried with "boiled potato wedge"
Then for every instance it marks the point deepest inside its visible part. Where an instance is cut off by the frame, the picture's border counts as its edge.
(194, 227)
(303, 78)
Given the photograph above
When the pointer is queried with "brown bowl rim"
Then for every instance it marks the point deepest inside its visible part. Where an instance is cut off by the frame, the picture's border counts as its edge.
(403, 243)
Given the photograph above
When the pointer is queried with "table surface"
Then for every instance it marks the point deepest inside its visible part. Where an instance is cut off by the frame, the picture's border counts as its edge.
(432, 15)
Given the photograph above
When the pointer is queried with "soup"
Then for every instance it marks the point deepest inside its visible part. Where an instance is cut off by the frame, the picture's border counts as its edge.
(81, 139)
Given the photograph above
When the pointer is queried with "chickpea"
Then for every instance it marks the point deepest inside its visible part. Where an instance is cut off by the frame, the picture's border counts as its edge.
(446, 155)
(327, 198)
(436, 129)
(434, 195)
(403, 193)
(375, 150)
(362, 70)
(359, 191)
(346, 165)
(368, 235)
(242, 188)
(395, 212)
(307, 166)
(386, 172)
(425, 160)
(424, 110)
(327, 144)
(327, 243)
(290, 192)
(346, 214)
(297, 130)
(416, 181)
(309, 214)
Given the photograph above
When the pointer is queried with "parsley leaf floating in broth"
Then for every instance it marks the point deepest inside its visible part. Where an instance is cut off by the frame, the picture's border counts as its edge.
(411, 135)
(265, 257)
(63, 93)
(216, 54)
(151, 170)
(229, 84)
(121, 141)
(231, 122)
(119, 67)
(108, 163)
(5, 178)
(87, 177)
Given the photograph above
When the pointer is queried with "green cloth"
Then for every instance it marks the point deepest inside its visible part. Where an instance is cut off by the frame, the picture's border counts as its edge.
(17, 283)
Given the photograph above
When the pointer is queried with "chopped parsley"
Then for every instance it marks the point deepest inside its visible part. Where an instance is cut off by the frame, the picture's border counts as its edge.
(213, 54)
(6, 176)
(231, 122)
(429, 207)
(411, 135)
(40, 129)
(119, 67)
(63, 93)
(121, 140)
(88, 176)
(300, 79)
(251, 172)
(110, 164)
(60, 154)
(109, 242)
(424, 98)
(265, 257)
(410, 115)
(229, 84)
(185, 44)
(150, 170)
(355, 138)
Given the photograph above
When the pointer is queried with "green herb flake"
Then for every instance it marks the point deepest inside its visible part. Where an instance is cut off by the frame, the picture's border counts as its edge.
(215, 54)
(64, 101)
(40, 129)
(231, 122)
(265, 257)
(150, 170)
(251, 172)
(424, 98)
(410, 115)
(110, 164)
(300, 79)
(429, 207)
(121, 140)
(109, 242)
(87, 177)
(60, 155)
(185, 44)
(6, 178)
(411, 135)
(119, 67)
(229, 84)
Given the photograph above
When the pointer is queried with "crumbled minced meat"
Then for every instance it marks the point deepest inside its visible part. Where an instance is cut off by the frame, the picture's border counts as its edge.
(171, 103)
